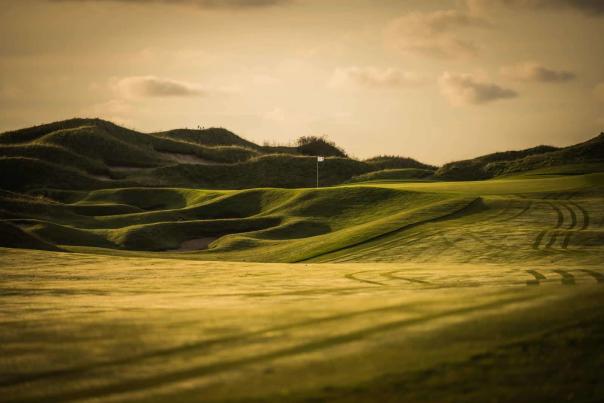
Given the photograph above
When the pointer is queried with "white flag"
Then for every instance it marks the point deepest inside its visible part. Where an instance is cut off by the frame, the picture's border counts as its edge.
(320, 159)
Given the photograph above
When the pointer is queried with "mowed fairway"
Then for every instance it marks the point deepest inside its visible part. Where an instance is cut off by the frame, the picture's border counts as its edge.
(475, 291)
(78, 327)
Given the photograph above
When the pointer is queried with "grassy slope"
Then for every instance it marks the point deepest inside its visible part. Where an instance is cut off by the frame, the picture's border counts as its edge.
(85, 154)
(79, 326)
(537, 218)
(396, 175)
(583, 157)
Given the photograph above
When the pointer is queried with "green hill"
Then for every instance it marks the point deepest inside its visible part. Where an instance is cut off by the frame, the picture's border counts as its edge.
(89, 154)
(512, 162)
(395, 162)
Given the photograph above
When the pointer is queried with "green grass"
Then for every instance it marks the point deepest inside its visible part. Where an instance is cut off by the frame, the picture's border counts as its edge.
(390, 287)
(81, 326)
(433, 291)
(396, 175)
(538, 218)
(513, 162)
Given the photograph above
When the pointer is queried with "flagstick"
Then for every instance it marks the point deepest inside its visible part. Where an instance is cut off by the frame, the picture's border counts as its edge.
(317, 172)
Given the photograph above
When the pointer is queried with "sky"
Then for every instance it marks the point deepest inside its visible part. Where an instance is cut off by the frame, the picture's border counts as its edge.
(434, 80)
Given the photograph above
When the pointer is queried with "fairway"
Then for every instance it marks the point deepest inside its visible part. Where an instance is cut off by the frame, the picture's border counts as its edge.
(440, 291)
(80, 327)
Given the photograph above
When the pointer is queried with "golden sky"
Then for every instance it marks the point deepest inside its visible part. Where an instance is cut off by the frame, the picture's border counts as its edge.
(434, 80)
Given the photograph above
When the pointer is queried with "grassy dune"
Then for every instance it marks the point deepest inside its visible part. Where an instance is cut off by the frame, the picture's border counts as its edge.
(86, 154)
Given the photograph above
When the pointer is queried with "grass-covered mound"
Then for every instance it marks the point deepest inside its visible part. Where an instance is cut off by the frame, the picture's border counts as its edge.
(510, 162)
(525, 218)
(11, 236)
(397, 175)
(85, 154)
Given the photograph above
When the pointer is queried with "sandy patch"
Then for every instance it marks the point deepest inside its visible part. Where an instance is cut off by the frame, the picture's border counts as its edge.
(196, 244)
(118, 168)
(101, 177)
(186, 158)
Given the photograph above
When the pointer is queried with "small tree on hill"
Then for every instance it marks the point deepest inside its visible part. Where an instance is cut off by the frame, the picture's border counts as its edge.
(315, 145)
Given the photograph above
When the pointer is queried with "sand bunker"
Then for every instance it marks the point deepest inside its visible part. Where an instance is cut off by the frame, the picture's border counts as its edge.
(187, 158)
(196, 244)
(119, 168)
(100, 177)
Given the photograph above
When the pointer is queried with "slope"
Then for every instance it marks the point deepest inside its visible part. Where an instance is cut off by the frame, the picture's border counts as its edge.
(85, 154)
(509, 162)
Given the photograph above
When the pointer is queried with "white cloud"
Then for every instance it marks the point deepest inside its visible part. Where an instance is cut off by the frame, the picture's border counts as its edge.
(155, 87)
(535, 72)
(434, 34)
(374, 77)
(466, 89)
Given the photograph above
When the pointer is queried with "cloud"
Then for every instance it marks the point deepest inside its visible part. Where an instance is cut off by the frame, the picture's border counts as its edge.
(588, 7)
(374, 77)
(599, 91)
(434, 34)
(155, 87)
(197, 3)
(535, 72)
(465, 89)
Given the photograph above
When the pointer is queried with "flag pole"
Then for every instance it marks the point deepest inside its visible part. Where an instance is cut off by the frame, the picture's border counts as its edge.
(317, 172)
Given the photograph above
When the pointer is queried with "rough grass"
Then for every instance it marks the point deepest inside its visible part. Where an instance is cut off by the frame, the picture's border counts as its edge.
(509, 162)
(75, 151)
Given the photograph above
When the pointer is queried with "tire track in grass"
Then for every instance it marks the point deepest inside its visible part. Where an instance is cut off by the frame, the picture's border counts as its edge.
(583, 227)
(598, 276)
(538, 277)
(573, 223)
(353, 276)
(526, 208)
(567, 278)
(166, 378)
(585, 216)
(391, 275)
(559, 224)
(542, 234)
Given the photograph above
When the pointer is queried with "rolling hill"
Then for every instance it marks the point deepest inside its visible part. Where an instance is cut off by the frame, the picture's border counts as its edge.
(585, 157)
(94, 154)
